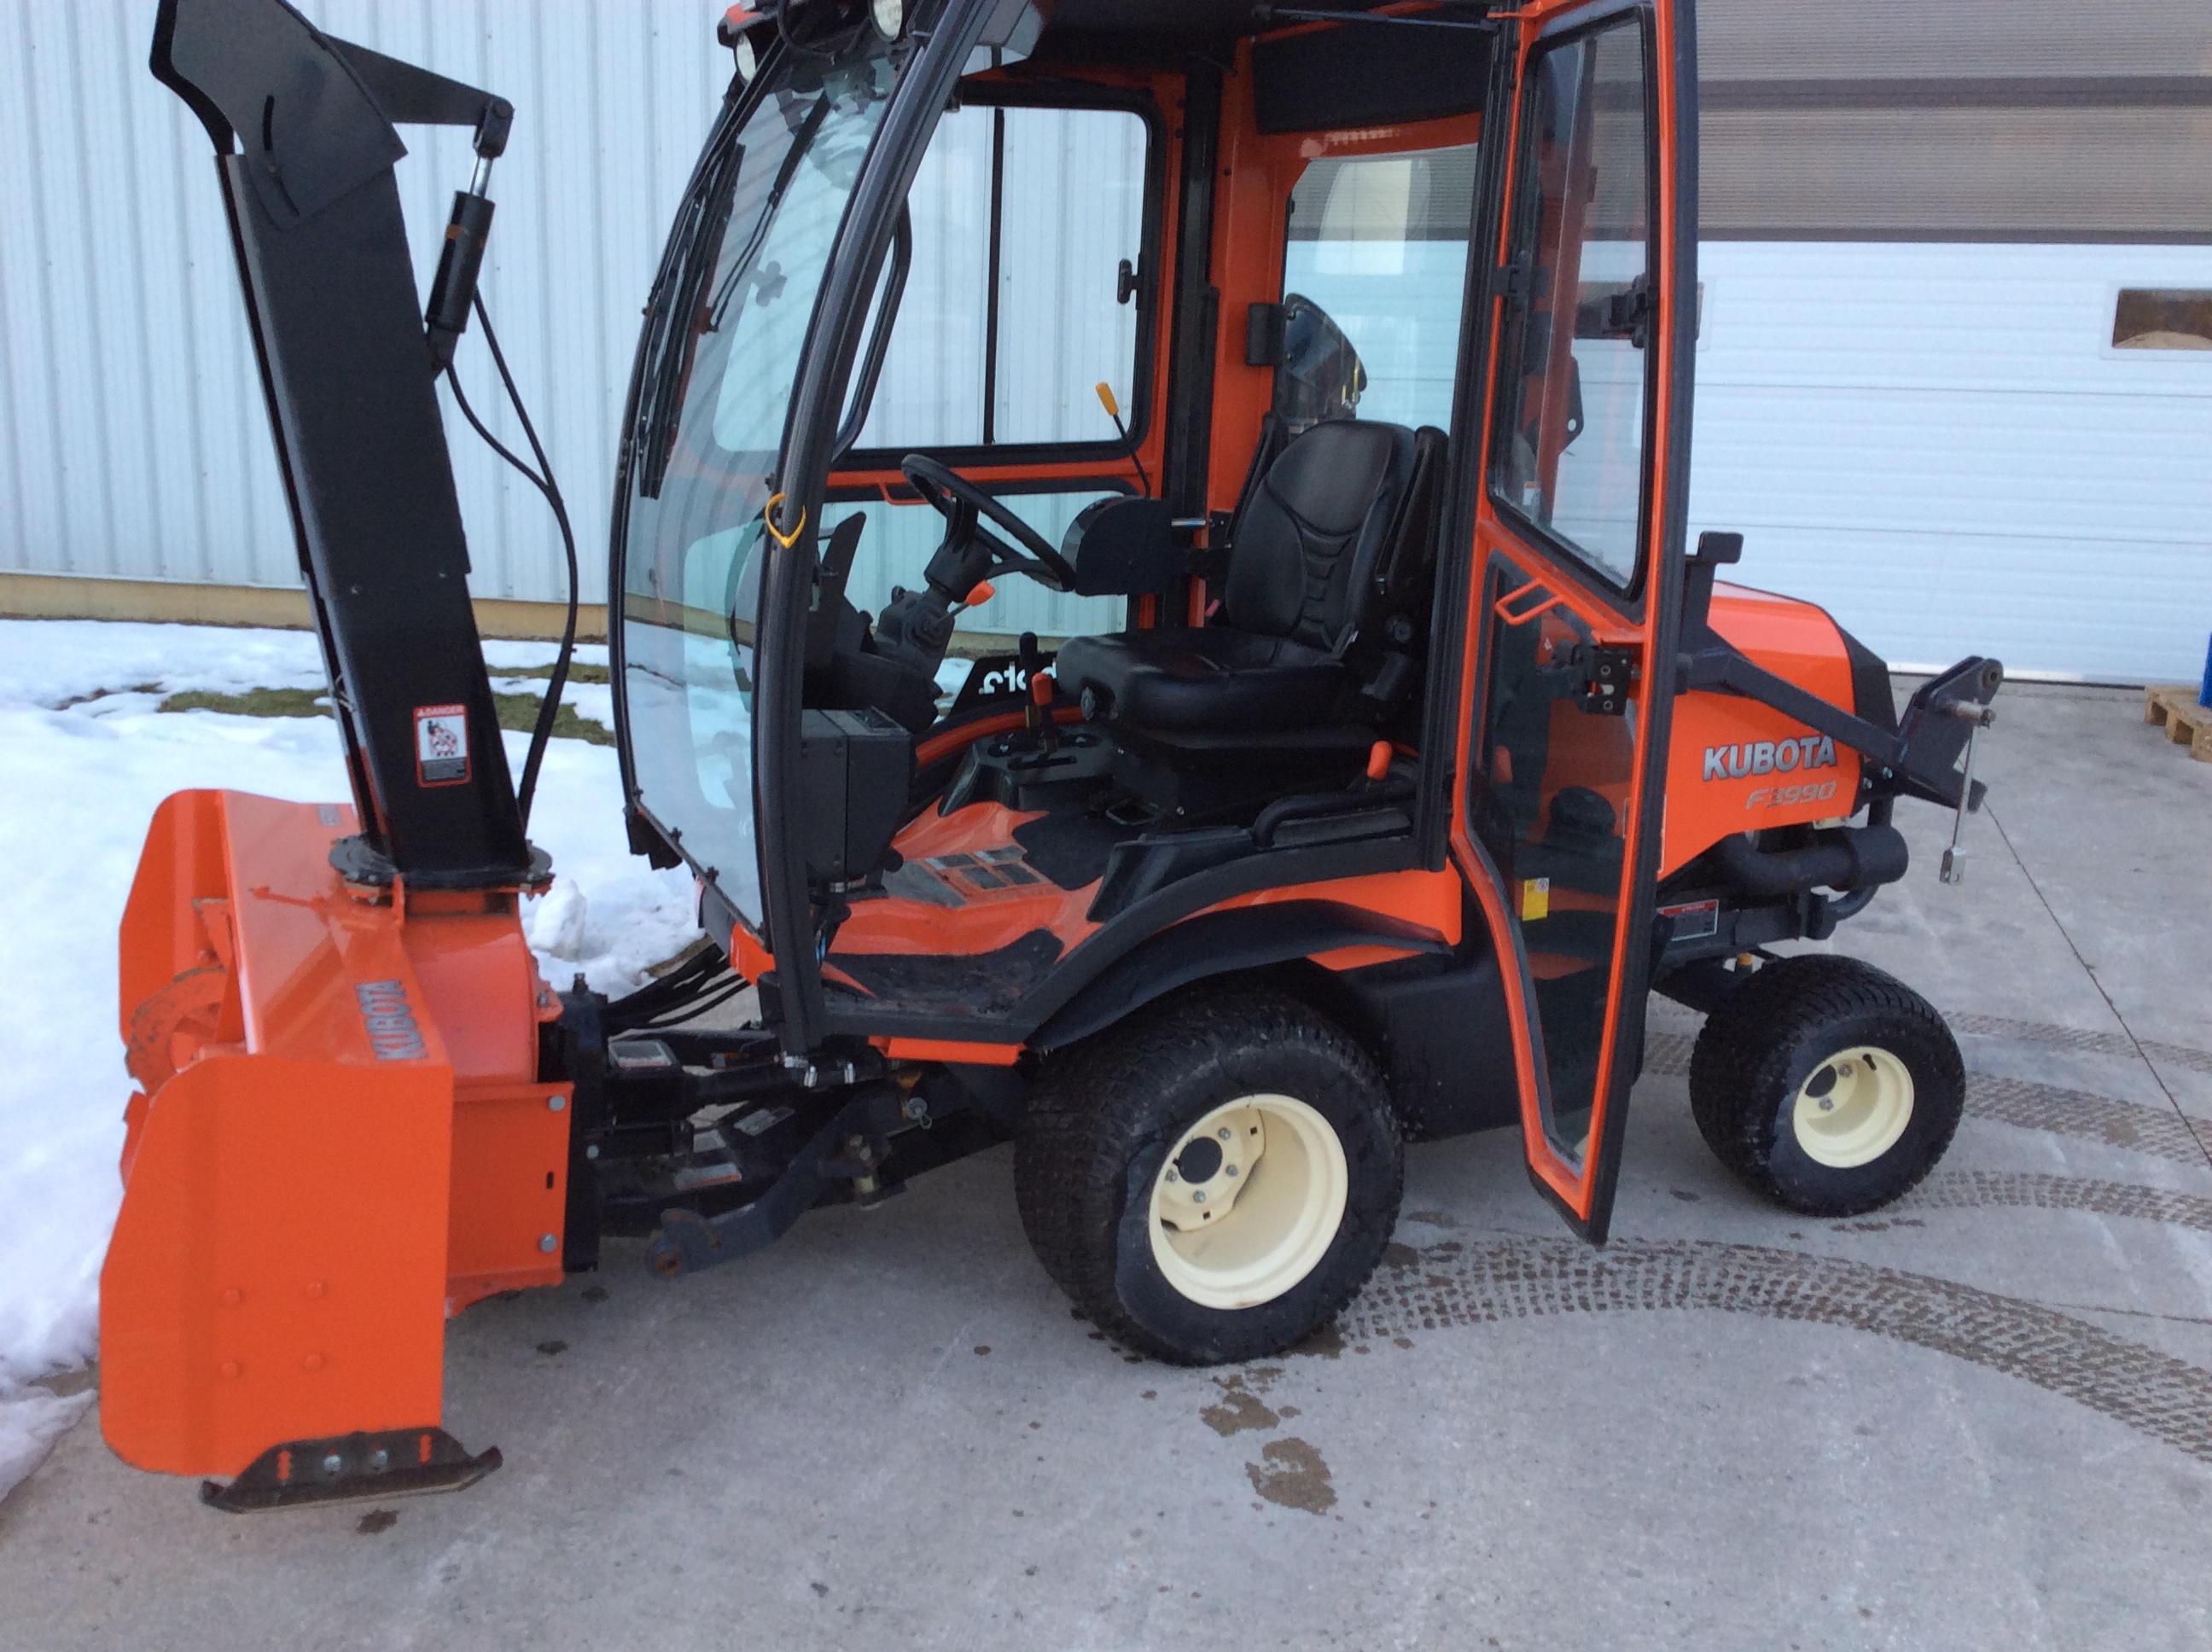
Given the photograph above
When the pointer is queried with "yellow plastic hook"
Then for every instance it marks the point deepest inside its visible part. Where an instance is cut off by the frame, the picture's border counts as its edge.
(768, 516)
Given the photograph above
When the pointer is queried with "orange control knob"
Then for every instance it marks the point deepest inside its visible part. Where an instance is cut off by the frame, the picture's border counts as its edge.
(1041, 687)
(1378, 761)
(983, 593)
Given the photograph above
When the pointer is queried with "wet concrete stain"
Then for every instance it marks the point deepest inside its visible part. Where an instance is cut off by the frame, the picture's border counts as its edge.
(1291, 1473)
(375, 1521)
(1239, 1410)
(1326, 1343)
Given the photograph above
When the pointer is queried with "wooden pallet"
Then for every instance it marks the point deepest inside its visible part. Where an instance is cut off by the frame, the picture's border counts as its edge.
(2186, 723)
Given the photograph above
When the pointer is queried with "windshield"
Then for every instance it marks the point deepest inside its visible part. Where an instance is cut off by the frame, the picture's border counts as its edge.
(736, 292)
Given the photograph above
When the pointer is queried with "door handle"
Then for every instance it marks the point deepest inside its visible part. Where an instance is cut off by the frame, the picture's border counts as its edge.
(1505, 611)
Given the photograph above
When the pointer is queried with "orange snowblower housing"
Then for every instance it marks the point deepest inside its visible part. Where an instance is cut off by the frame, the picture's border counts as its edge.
(1135, 523)
(292, 1037)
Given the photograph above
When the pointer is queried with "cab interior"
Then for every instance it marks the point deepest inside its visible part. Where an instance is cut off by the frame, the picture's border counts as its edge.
(1187, 305)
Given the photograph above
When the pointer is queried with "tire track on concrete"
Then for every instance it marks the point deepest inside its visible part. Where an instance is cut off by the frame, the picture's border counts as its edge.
(2157, 1130)
(1454, 1284)
(2078, 1038)
(1669, 1023)
(2034, 1190)
(2160, 1131)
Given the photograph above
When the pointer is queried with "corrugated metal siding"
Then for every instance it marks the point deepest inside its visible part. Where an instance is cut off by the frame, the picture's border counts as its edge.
(1939, 444)
(133, 441)
(1939, 120)
(1936, 442)
(1893, 39)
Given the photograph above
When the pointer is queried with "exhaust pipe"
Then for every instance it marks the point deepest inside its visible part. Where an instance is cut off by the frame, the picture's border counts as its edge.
(1846, 857)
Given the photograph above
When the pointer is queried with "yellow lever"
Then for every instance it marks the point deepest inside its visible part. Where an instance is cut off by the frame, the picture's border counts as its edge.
(1106, 400)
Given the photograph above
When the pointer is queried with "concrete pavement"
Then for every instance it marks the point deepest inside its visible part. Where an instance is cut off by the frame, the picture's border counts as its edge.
(1982, 1418)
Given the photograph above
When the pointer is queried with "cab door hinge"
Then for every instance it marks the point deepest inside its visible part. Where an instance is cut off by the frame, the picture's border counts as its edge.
(1511, 282)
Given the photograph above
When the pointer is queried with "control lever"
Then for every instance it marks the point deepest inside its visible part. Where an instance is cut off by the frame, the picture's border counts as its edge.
(1977, 718)
(1037, 715)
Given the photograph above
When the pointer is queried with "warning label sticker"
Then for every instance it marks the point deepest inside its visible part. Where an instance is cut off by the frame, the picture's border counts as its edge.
(442, 745)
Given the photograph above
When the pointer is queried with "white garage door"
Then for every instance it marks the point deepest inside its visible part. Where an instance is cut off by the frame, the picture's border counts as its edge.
(1942, 445)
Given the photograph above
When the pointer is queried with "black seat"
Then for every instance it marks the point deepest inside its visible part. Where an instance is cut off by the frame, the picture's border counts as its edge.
(1302, 575)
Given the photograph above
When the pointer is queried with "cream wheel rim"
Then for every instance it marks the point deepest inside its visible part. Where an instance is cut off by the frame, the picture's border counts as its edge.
(1247, 1201)
(1853, 1108)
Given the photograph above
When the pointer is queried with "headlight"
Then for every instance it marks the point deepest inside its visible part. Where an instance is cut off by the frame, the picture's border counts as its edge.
(889, 16)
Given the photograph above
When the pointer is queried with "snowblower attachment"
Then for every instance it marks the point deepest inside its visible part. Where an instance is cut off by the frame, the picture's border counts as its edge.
(341, 1135)
(340, 1139)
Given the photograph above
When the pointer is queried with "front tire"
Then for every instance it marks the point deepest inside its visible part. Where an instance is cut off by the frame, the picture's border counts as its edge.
(1212, 1181)
(1826, 1085)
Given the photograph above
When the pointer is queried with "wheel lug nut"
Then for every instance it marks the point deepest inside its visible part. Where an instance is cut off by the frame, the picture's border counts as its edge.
(1198, 1199)
(1227, 1135)
(1828, 1104)
(1229, 1169)
(1172, 1176)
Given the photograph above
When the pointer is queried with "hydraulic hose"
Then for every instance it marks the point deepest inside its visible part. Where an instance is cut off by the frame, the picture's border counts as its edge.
(542, 479)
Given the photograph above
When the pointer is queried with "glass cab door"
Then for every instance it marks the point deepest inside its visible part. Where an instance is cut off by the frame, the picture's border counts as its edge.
(1577, 572)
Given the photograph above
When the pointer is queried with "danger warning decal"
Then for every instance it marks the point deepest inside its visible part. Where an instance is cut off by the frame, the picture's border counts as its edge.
(442, 745)
(394, 1032)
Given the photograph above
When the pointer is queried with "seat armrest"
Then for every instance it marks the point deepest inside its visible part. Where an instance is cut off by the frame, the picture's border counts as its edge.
(1123, 547)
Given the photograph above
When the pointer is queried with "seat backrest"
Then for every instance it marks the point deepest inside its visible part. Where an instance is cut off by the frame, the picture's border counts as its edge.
(1304, 562)
(1407, 569)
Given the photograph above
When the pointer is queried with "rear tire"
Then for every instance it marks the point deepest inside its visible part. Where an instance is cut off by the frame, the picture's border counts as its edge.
(1826, 1085)
(1213, 1181)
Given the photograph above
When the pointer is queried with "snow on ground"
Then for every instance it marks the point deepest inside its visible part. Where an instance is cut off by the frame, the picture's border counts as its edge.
(85, 756)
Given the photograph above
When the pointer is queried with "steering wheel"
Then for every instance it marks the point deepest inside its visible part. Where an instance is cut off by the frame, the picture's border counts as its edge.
(964, 506)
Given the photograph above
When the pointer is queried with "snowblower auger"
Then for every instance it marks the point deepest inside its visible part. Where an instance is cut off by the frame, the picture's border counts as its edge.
(341, 1135)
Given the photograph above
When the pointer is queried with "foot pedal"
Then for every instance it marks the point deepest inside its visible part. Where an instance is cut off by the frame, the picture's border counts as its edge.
(392, 1464)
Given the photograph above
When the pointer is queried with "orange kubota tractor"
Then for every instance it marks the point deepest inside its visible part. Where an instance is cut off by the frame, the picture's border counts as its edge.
(1386, 748)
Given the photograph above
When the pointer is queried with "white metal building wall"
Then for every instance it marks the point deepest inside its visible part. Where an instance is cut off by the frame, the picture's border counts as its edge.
(1937, 442)
(133, 440)
(1941, 446)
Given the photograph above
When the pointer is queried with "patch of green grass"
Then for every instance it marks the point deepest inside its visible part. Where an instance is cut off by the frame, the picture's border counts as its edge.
(519, 712)
(254, 702)
(578, 672)
(516, 711)
(102, 694)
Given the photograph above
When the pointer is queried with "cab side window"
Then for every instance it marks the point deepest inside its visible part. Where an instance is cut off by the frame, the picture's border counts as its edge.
(1023, 293)
(1016, 304)
(1574, 381)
